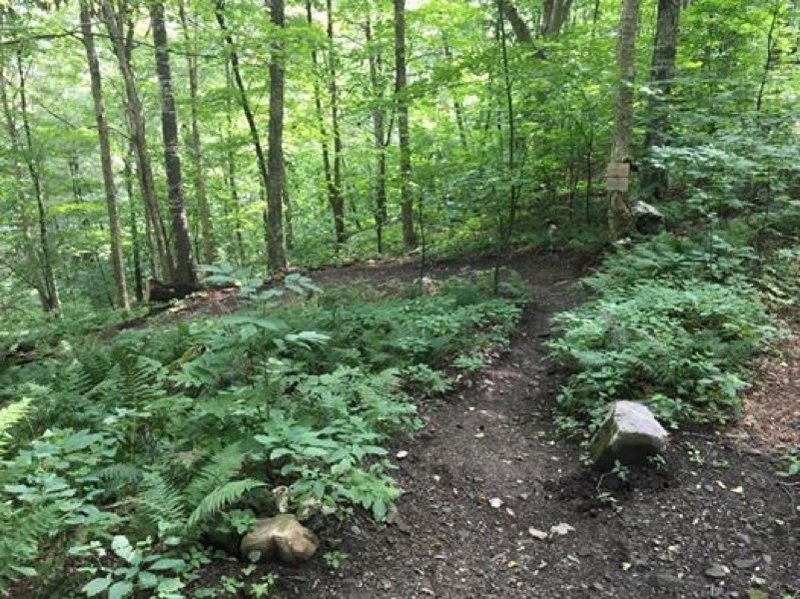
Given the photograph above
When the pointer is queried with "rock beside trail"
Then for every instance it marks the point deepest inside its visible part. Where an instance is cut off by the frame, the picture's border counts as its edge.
(630, 434)
(647, 219)
(282, 537)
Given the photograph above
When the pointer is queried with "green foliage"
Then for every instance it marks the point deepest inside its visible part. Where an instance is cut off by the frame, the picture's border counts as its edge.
(158, 436)
(673, 326)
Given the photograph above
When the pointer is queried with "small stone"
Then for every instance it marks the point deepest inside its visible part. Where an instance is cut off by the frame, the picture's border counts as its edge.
(561, 529)
(537, 534)
(282, 537)
(496, 502)
(717, 571)
(629, 434)
(402, 454)
(746, 563)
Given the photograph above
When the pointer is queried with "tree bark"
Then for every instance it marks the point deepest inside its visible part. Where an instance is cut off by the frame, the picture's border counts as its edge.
(655, 180)
(401, 99)
(32, 267)
(337, 201)
(114, 227)
(45, 247)
(243, 100)
(184, 264)
(138, 276)
(555, 15)
(195, 147)
(619, 212)
(276, 253)
(378, 134)
(136, 120)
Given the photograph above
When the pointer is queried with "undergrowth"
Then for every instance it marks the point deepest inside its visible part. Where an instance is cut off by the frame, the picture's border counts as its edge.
(119, 457)
(674, 323)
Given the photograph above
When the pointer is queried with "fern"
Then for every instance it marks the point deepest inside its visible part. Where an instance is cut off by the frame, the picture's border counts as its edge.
(160, 501)
(221, 468)
(10, 415)
(220, 498)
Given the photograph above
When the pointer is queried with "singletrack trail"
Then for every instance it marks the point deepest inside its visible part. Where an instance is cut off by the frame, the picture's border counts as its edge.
(658, 536)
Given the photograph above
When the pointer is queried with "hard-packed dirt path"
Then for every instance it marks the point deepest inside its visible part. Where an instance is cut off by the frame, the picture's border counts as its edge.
(496, 506)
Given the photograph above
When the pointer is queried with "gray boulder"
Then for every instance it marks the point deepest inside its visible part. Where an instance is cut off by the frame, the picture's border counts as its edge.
(630, 434)
(647, 219)
(281, 537)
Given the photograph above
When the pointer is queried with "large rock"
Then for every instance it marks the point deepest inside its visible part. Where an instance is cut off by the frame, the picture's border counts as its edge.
(646, 218)
(630, 433)
(281, 537)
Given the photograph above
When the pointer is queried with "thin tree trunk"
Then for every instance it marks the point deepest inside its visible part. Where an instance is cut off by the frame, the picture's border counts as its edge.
(138, 132)
(330, 188)
(243, 100)
(401, 98)
(619, 212)
(378, 133)
(554, 16)
(184, 265)
(138, 277)
(337, 201)
(457, 108)
(768, 60)
(654, 180)
(231, 169)
(195, 146)
(45, 248)
(276, 253)
(33, 269)
(114, 227)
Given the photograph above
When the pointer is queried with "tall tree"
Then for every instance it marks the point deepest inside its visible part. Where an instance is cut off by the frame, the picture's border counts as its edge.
(114, 227)
(379, 136)
(654, 180)
(195, 145)
(46, 253)
(276, 253)
(184, 264)
(244, 101)
(619, 212)
(31, 271)
(555, 14)
(158, 237)
(337, 201)
(404, 139)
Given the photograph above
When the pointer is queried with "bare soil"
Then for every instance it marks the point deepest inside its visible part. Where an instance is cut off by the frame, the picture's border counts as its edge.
(716, 521)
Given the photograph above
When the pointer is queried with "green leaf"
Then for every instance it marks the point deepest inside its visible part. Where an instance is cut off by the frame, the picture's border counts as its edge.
(96, 586)
(122, 548)
(120, 589)
(168, 564)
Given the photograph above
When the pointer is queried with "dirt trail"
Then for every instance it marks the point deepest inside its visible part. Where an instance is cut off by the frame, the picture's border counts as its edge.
(714, 511)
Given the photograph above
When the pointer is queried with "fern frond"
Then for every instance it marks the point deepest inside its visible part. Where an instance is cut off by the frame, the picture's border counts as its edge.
(222, 467)
(160, 501)
(10, 415)
(219, 499)
(120, 474)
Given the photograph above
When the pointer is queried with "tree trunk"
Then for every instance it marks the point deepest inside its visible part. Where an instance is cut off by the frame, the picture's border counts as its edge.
(138, 133)
(195, 146)
(457, 107)
(276, 253)
(45, 248)
(243, 100)
(114, 227)
(138, 277)
(184, 264)
(619, 212)
(555, 15)
(32, 266)
(654, 180)
(337, 201)
(378, 134)
(401, 98)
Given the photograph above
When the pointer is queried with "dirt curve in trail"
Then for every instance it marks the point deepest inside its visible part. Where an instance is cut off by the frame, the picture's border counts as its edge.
(716, 523)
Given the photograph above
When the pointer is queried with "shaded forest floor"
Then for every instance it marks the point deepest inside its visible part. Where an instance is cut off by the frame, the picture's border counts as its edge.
(486, 475)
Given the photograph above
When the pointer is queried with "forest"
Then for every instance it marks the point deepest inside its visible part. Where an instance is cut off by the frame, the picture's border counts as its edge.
(380, 272)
